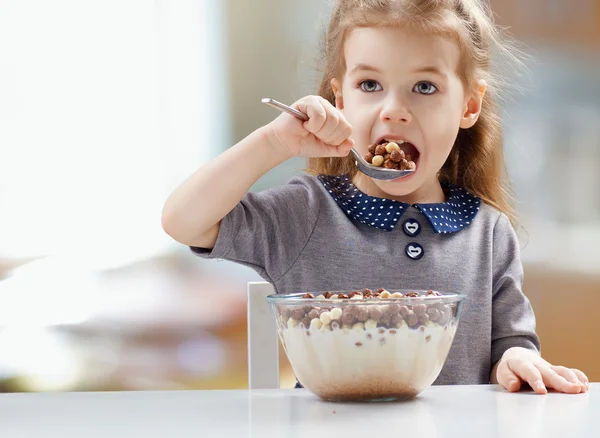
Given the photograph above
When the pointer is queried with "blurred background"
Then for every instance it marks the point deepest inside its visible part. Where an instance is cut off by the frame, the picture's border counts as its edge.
(106, 106)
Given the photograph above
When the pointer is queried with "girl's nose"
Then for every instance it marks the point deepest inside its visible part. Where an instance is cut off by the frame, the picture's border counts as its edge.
(395, 111)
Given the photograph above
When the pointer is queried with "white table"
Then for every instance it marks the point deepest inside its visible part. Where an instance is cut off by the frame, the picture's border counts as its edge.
(451, 411)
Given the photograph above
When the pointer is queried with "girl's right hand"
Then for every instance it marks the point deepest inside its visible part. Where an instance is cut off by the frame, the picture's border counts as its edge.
(326, 133)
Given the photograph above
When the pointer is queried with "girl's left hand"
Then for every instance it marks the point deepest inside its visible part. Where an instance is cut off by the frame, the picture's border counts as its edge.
(519, 365)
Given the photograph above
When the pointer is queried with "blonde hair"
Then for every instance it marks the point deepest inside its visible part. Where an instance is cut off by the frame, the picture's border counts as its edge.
(476, 161)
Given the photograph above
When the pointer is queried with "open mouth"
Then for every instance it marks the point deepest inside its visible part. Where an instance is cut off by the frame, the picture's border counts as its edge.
(395, 154)
(411, 153)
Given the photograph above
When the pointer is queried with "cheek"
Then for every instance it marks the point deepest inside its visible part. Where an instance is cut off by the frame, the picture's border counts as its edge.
(361, 129)
(441, 120)
(355, 113)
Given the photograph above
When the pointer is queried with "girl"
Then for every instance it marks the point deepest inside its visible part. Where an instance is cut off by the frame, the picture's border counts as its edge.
(415, 72)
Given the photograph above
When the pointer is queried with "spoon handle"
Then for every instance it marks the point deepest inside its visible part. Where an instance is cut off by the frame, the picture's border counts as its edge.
(358, 157)
(283, 107)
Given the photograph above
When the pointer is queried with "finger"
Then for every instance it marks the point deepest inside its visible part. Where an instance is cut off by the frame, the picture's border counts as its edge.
(342, 132)
(582, 378)
(507, 378)
(569, 381)
(312, 107)
(330, 129)
(528, 373)
(332, 120)
(556, 381)
(344, 148)
(567, 373)
(335, 151)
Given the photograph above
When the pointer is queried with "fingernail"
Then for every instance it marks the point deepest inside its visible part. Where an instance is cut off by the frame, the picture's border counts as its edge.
(539, 386)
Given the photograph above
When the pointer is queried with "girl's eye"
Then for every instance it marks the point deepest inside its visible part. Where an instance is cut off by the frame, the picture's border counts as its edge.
(370, 86)
(425, 88)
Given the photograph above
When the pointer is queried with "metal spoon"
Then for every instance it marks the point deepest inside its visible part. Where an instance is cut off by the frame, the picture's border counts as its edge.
(363, 166)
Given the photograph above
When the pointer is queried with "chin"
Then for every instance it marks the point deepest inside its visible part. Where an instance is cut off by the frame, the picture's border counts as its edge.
(398, 187)
(403, 186)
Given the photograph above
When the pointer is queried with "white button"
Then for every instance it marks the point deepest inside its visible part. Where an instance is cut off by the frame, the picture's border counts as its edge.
(411, 227)
(414, 251)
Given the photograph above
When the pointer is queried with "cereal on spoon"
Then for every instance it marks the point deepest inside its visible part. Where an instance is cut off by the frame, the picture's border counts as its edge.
(389, 154)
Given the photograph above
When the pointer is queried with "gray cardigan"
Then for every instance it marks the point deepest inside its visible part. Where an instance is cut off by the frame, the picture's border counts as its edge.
(302, 237)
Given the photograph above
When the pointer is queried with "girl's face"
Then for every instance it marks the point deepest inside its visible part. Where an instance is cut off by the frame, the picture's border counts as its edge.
(404, 85)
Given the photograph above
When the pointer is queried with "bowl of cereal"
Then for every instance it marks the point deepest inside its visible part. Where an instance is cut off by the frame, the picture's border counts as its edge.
(367, 346)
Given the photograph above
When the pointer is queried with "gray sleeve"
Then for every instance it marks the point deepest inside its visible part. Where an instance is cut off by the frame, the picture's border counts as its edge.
(268, 230)
(513, 321)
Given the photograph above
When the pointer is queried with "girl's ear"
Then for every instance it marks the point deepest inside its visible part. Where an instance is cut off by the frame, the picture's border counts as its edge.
(473, 106)
(337, 91)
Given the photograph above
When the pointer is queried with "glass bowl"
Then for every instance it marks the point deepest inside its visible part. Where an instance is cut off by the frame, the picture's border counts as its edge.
(367, 346)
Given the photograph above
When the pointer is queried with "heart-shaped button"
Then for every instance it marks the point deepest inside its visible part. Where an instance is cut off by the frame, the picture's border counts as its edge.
(414, 251)
(411, 227)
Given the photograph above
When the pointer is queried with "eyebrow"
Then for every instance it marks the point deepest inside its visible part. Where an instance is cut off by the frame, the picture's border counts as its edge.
(364, 67)
(430, 69)
(426, 69)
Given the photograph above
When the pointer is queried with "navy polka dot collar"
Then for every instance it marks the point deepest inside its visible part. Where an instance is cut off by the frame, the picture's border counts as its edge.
(451, 216)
